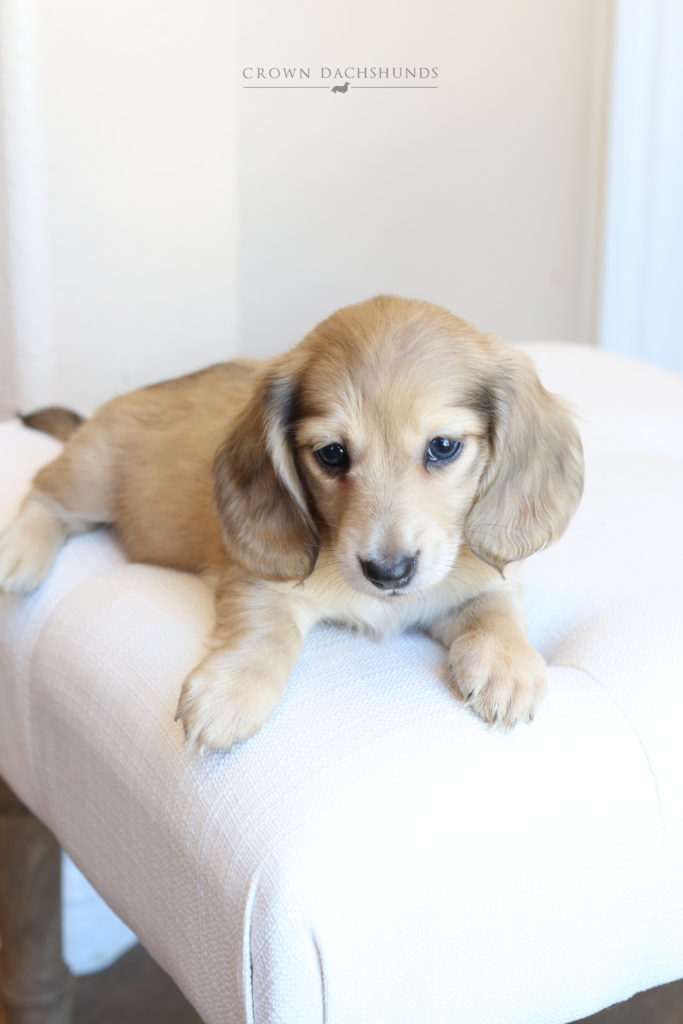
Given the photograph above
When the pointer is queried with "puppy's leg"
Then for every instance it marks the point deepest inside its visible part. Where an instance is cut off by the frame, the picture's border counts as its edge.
(70, 495)
(28, 547)
(492, 666)
(256, 643)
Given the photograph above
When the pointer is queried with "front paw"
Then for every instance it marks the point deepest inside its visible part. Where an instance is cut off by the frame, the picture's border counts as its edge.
(502, 679)
(224, 702)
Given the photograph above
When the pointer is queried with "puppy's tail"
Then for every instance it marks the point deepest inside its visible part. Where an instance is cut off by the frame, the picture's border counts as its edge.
(53, 420)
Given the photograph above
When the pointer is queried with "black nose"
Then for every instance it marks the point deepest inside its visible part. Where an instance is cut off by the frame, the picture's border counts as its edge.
(390, 573)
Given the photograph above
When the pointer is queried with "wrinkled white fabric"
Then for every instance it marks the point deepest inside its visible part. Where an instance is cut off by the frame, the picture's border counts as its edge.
(375, 855)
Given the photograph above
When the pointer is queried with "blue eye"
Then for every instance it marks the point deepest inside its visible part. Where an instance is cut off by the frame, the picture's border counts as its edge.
(443, 449)
(333, 457)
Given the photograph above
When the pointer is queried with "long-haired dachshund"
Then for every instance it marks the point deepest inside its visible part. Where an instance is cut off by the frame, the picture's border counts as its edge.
(383, 474)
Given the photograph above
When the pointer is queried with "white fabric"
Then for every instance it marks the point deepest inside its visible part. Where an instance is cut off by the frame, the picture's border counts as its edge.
(375, 855)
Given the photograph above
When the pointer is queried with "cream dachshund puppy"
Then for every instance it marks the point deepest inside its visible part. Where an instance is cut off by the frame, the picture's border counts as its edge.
(382, 474)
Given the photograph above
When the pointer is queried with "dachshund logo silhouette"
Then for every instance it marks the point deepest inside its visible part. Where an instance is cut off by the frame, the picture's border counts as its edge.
(341, 88)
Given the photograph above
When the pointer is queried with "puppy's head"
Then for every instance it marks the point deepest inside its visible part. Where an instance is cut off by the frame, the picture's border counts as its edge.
(393, 434)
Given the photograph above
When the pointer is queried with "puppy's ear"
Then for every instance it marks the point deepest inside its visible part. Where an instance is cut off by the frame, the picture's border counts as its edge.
(533, 483)
(259, 499)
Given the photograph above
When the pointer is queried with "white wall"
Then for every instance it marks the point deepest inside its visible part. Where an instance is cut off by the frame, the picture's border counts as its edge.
(160, 216)
(119, 192)
(640, 312)
(481, 195)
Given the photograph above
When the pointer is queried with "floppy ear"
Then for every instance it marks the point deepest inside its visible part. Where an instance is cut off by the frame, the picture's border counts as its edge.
(533, 483)
(259, 499)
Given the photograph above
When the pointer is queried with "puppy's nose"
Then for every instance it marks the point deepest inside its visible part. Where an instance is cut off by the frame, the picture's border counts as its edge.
(391, 573)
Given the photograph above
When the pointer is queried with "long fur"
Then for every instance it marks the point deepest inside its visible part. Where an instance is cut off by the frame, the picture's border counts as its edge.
(222, 472)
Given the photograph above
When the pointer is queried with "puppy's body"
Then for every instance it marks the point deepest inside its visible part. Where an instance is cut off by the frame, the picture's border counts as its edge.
(382, 474)
(155, 451)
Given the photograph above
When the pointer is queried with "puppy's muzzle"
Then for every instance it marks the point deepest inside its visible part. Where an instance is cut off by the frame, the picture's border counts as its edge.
(391, 573)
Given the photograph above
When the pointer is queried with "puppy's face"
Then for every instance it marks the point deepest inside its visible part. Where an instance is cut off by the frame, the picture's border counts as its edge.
(393, 434)
(390, 446)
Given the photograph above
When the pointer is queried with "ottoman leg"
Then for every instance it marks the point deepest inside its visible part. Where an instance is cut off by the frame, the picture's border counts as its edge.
(35, 984)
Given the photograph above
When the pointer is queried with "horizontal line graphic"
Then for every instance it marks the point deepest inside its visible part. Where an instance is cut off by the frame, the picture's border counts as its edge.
(329, 87)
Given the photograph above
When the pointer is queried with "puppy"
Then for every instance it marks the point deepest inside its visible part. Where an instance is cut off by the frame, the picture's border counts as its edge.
(382, 474)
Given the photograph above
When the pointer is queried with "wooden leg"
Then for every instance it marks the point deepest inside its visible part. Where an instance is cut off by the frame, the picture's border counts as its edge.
(35, 984)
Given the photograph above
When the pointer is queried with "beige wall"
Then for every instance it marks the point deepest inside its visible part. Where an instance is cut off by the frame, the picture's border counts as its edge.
(481, 195)
(120, 193)
(160, 215)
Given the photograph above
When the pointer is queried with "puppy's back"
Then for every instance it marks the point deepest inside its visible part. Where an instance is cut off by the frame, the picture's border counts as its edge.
(159, 443)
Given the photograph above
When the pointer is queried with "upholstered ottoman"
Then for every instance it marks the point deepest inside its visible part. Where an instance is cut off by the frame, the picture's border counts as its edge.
(375, 855)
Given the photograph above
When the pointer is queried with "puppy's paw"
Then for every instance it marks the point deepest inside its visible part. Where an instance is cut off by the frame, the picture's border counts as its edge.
(28, 547)
(502, 679)
(224, 702)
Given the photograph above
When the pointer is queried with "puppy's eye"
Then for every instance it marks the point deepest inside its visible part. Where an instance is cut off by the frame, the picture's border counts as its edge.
(443, 449)
(333, 457)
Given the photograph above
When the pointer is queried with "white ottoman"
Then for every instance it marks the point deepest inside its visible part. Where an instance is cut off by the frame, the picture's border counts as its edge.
(375, 855)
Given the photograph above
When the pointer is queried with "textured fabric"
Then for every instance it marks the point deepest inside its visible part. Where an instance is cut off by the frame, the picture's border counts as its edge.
(375, 855)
